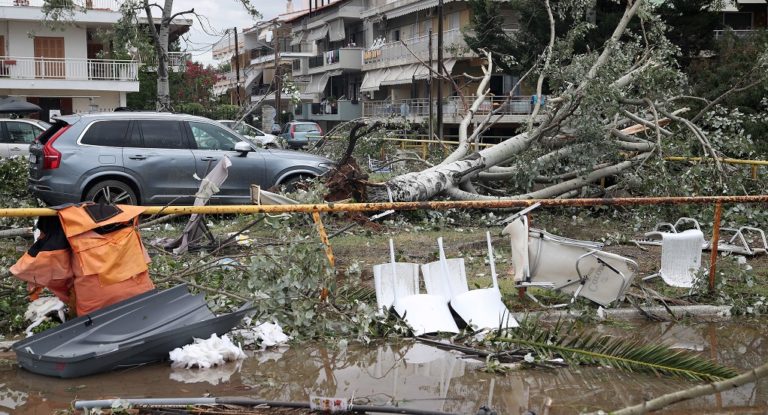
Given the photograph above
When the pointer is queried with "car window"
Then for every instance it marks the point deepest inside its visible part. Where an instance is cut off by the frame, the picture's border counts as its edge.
(106, 133)
(162, 134)
(246, 129)
(303, 128)
(21, 132)
(211, 137)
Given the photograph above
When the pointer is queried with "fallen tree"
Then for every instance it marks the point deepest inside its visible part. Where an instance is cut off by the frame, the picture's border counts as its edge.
(610, 112)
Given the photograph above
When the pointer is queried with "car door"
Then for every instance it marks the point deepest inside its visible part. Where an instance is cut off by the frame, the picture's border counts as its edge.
(5, 143)
(211, 144)
(17, 136)
(161, 159)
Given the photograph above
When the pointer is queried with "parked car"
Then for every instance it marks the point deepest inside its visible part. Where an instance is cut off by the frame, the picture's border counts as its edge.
(252, 133)
(153, 159)
(17, 134)
(297, 134)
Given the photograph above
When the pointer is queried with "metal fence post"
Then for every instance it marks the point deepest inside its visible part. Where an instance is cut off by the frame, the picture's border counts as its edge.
(715, 238)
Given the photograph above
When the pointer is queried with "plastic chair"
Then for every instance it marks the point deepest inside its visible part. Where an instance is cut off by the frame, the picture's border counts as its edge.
(578, 268)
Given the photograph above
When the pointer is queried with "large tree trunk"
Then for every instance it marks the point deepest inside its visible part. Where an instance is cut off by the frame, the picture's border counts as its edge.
(160, 40)
(425, 185)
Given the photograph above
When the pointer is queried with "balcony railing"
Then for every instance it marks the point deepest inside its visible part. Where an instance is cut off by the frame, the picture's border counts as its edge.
(737, 33)
(452, 107)
(68, 69)
(394, 53)
(177, 61)
(112, 5)
(348, 59)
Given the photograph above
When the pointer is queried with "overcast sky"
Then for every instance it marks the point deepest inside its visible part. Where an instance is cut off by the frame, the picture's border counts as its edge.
(221, 15)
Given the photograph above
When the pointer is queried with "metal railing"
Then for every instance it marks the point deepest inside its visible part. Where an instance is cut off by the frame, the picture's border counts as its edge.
(68, 68)
(452, 107)
(175, 60)
(112, 5)
(737, 33)
(453, 41)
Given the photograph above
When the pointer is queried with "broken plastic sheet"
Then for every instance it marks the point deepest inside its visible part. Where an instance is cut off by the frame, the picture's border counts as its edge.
(209, 186)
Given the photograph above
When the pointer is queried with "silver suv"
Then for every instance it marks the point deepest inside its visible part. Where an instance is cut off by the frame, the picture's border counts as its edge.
(153, 159)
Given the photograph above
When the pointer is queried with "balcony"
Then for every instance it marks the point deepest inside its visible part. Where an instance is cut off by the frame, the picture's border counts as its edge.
(394, 53)
(345, 59)
(177, 62)
(112, 5)
(517, 110)
(342, 110)
(77, 74)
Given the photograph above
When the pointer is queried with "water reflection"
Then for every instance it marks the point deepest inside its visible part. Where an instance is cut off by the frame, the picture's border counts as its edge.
(416, 375)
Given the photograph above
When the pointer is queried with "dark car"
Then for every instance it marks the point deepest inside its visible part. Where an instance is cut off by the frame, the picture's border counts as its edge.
(298, 134)
(153, 159)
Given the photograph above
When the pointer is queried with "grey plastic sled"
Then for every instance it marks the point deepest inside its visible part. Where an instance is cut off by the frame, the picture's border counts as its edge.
(139, 330)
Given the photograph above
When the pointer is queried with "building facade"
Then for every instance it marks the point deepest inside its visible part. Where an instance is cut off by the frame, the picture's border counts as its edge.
(64, 70)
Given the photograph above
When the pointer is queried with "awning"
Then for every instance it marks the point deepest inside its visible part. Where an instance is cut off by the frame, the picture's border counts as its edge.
(412, 8)
(399, 75)
(336, 30)
(251, 75)
(372, 80)
(317, 84)
(423, 72)
(297, 38)
(317, 34)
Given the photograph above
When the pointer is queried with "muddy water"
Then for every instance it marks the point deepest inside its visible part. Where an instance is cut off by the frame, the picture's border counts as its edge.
(418, 376)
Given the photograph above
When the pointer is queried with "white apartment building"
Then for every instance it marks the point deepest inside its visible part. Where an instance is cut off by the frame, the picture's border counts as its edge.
(62, 70)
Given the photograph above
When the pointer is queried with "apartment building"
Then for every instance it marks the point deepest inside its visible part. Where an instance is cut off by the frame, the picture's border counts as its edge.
(744, 17)
(64, 70)
(370, 58)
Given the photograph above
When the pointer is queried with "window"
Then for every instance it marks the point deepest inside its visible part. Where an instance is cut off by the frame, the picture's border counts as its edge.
(162, 134)
(21, 132)
(395, 35)
(211, 137)
(106, 133)
(304, 128)
(453, 21)
(738, 21)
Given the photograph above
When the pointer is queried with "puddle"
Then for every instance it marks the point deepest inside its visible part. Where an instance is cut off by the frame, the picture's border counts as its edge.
(417, 376)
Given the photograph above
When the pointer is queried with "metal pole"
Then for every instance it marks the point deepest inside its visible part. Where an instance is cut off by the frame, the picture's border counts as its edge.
(278, 83)
(439, 70)
(374, 207)
(237, 68)
(715, 238)
(429, 90)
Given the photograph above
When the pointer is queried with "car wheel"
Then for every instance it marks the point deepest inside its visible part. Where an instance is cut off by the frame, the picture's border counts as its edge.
(294, 182)
(271, 146)
(112, 192)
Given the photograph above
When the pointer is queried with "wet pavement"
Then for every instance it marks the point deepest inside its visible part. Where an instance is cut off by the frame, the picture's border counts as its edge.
(415, 375)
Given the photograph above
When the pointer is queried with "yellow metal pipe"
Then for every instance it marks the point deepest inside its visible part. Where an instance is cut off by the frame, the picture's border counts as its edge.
(439, 205)
(722, 160)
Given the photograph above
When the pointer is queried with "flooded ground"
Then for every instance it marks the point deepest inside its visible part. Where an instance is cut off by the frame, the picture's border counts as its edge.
(414, 375)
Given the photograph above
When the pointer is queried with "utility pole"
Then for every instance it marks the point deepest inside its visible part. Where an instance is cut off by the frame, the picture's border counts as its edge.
(439, 70)
(278, 80)
(429, 90)
(237, 68)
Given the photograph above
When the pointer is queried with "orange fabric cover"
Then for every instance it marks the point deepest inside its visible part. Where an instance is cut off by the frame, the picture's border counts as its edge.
(51, 269)
(92, 295)
(75, 220)
(113, 257)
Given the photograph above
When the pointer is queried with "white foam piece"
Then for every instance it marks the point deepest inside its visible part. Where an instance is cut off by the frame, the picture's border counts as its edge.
(206, 353)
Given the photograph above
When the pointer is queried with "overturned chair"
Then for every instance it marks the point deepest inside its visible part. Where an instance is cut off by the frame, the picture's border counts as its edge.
(578, 268)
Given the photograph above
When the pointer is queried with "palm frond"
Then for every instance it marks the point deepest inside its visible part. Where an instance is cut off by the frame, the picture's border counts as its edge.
(580, 347)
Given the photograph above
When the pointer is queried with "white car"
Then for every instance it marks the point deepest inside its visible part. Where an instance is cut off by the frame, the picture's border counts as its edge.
(252, 133)
(17, 134)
